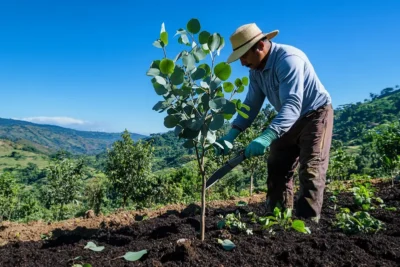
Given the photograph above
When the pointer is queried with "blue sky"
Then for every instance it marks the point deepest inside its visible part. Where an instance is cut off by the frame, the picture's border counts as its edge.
(82, 64)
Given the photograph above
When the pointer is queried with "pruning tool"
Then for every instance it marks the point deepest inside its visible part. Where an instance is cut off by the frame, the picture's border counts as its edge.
(229, 165)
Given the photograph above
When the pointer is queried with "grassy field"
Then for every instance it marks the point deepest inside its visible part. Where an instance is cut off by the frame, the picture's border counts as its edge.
(12, 155)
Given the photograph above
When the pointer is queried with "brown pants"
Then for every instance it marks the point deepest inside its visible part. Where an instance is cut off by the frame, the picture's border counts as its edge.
(308, 142)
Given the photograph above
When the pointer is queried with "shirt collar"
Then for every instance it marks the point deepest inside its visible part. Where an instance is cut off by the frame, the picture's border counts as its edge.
(271, 57)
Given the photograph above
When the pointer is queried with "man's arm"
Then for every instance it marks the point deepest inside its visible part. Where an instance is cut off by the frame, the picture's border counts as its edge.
(290, 72)
(254, 99)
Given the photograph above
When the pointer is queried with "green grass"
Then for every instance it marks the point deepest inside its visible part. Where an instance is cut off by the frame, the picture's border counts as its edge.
(7, 148)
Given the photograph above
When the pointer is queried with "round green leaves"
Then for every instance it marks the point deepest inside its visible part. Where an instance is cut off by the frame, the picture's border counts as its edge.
(167, 66)
(223, 71)
(193, 26)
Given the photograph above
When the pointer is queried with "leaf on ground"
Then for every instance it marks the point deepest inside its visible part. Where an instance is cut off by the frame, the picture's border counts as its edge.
(134, 256)
(226, 244)
(92, 246)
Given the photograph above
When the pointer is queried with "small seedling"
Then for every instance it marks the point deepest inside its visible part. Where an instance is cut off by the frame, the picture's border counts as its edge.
(360, 221)
(241, 203)
(233, 222)
(284, 220)
(363, 195)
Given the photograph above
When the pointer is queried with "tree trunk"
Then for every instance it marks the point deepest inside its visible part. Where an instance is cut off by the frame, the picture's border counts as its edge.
(203, 207)
(251, 183)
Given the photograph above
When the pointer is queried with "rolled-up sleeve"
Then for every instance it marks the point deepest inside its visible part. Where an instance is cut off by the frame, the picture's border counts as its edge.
(254, 99)
(290, 72)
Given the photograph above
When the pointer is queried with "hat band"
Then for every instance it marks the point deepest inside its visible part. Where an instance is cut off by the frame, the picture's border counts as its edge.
(246, 42)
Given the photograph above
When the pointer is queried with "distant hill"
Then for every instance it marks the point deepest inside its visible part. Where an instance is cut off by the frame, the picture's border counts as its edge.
(352, 120)
(56, 138)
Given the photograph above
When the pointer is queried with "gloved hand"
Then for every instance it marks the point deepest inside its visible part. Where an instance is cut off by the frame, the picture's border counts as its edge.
(230, 137)
(258, 146)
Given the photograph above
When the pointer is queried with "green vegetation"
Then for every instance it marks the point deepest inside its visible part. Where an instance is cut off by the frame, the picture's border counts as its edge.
(31, 190)
(194, 95)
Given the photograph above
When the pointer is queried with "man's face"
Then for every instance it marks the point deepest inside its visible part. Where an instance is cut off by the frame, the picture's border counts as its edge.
(251, 58)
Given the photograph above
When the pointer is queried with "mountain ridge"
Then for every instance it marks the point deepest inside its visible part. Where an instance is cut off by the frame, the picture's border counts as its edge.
(57, 137)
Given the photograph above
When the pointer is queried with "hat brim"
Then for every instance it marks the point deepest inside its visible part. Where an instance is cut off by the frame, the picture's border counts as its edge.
(235, 55)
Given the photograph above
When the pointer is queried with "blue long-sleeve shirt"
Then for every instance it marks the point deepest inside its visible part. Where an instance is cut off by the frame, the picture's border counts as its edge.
(290, 84)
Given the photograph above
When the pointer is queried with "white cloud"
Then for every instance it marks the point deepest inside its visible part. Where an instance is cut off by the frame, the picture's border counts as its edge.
(62, 121)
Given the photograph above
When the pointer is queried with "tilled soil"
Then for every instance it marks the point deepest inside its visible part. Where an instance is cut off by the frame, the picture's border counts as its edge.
(325, 246)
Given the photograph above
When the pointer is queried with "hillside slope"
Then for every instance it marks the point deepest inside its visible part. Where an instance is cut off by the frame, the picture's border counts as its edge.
(353, 119)
(56, 138)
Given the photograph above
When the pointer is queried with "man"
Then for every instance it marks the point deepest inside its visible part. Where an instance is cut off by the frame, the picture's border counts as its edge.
(301, 132)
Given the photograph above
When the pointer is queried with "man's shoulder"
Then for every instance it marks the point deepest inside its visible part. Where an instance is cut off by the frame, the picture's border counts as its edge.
(285, 50)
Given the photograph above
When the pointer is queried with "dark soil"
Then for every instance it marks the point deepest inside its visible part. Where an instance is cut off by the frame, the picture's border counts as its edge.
(325, 246)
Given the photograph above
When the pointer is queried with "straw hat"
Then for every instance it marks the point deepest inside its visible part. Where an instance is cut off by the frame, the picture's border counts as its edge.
(244, 38)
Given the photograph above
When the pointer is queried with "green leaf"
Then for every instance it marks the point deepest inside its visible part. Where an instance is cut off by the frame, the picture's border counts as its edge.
(184, 39)
(198, 74)
(189, 133)
(228, 116)
(163, 34)
(221, 223)
(205, 99)
(160, 105)
(195, 123)
(217, 122)
(134, 256)
(221, 45)
(87, 265)
(211, 137)
(171, 121)
(153, 72)
(222, 70)
(92, 246)
(229, 108)
(189, 144)
(244, 115)
(245, 107)
(228, 87)
(164, 38)
(189, 61)
(203, 37)
(217, 103)
(206, 67)
(167, 66)
(245, 81)
(299, 226)
(227, 244)
(178, 130)
(238, 82)
(240, 89)
(241, 203)
(157, 44)
(160, 80)
(193, 26)
(213, 42)
(177, 76)
(199, 54)
(160, 89)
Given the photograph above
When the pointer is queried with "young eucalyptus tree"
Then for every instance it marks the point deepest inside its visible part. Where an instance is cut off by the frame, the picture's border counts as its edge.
(193, 92)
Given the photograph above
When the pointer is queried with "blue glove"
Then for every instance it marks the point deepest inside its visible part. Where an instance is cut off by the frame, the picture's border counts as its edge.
(258, 146)
(230, 137)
